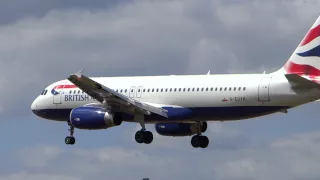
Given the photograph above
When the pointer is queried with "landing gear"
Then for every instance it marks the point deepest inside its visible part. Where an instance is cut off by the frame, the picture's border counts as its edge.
(142, 136)
(70, 140)
(199, 140)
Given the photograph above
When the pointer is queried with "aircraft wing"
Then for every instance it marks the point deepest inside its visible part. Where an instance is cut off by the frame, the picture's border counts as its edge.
(112, 98)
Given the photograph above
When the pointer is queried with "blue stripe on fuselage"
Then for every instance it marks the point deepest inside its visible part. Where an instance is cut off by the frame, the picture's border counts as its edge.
(181, 114)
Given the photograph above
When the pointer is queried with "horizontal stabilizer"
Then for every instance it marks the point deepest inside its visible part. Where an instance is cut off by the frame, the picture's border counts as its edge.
(300, 82)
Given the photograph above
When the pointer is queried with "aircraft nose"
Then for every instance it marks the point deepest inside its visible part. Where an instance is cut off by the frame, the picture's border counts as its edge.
(34, 105)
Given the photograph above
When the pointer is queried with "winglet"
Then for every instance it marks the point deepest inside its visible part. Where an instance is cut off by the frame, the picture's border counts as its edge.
(79, 73)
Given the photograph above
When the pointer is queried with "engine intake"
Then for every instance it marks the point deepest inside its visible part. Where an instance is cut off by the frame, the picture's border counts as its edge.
(94, 118)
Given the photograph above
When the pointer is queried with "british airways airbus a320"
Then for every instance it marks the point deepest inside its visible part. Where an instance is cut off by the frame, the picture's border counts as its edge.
(182, 105)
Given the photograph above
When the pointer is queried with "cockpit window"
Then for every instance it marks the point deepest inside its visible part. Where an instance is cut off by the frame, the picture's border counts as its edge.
(42, 92)
(45, 92)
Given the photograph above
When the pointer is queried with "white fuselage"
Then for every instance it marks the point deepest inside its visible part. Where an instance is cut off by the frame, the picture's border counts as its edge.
(187, 98)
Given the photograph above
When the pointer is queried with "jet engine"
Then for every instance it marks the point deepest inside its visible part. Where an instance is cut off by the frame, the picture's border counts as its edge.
(179, 129)
(94, 118)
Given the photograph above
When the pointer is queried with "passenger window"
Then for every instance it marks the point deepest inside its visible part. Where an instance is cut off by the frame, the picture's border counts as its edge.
(152, 90)
(161, 90)
(216, 89)
(184, 89)
(221, 89)
(197, 89)
(188, 89)
(239, 88)
(235, 89)
(211, 89)
(148, 90)
(229, 89)
(170, 89)
(175, 89)
(207, 89)
(244, 88)
(166, 89)
(225, 89)
(192, 89)
(74, 92)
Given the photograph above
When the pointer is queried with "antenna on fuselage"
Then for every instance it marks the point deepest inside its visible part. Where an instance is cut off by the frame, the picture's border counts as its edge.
(208, 72)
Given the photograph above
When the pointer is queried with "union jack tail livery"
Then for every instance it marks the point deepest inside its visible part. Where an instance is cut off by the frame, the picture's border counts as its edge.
(305, 60)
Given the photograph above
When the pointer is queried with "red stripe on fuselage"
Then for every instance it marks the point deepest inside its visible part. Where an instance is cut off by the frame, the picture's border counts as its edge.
(311, 35)
(68, 86)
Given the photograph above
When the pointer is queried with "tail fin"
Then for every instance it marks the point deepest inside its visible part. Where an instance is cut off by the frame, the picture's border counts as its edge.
(305, 60)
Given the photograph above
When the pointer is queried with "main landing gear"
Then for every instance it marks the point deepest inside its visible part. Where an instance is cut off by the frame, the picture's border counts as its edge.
(70, 140)
(142, 136)
(199, 140)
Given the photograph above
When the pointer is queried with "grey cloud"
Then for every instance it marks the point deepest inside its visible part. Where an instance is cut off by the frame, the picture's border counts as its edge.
(292, 157)
(147, 38)
(14, 10)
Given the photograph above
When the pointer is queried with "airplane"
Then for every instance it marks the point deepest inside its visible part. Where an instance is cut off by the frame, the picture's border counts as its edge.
(182, 105)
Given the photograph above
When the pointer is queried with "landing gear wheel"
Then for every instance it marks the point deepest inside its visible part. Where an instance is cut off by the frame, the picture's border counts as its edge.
(148, 137)
(199, 141)
(204, 141)
(144, 137)
(195, 141)
(204, 127)
(139, 137)
(70, 140)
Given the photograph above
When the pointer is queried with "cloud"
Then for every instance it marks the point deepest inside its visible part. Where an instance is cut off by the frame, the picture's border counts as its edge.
(291, 157)
(38, 157)
(145, 38)
(36, 176)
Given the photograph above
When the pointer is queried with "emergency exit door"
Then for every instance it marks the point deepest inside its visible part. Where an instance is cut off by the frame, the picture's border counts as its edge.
(263, 90)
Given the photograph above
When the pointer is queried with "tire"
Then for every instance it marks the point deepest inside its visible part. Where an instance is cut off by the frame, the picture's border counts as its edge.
(204, 141)
(148, 137)
(195, 141)
(204, 127)
(139, 137)
(73, 140)
(69, 140)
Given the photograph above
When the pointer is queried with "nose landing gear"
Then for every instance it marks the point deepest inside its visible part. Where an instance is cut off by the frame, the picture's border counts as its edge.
(70, 140)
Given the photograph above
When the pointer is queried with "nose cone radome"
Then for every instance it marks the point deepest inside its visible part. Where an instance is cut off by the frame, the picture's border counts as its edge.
(34, 105)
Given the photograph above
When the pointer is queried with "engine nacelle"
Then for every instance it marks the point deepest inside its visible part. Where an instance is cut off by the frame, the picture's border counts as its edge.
(179, 129)
(94, 118)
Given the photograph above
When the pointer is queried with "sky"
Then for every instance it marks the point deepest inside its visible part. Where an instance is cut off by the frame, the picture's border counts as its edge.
(43, 41)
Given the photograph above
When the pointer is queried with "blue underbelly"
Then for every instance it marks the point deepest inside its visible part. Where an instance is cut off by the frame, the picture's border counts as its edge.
(182, 114)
